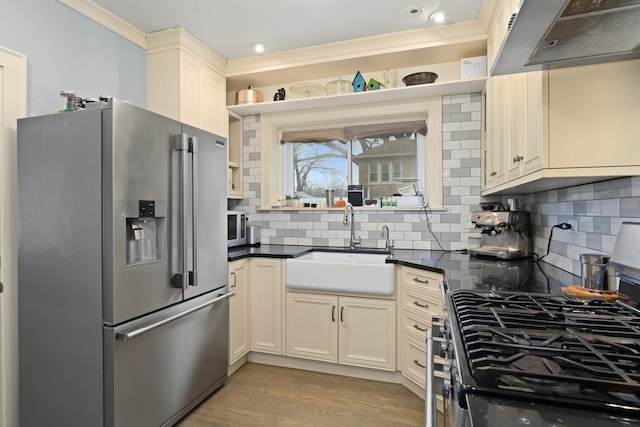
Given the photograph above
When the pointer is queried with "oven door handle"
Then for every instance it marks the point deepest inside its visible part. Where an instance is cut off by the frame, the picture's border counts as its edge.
(430, 398)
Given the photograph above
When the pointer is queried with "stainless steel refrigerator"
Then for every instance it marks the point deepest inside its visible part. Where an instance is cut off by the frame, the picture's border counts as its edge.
(123, 300)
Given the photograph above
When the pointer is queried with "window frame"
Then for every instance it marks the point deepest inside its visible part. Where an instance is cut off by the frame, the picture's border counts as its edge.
(272, 125)
(288, 184)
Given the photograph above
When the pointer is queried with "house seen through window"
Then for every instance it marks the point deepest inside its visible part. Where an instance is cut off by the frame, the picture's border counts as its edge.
(381, 163)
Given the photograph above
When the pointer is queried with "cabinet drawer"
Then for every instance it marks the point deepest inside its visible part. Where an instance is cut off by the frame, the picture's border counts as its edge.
(422, 278)
(426, 302)
(414, 360)
(415, 325)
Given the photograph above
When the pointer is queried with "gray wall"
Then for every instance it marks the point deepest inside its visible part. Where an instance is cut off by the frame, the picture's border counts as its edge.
(67, 51)
(597, 209)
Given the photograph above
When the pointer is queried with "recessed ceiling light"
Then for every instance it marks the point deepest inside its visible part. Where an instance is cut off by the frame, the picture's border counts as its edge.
(440, 16)
(259, 47)
(414, 10)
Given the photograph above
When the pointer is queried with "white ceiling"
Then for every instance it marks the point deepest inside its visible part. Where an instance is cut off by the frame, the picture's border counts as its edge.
(230, 27)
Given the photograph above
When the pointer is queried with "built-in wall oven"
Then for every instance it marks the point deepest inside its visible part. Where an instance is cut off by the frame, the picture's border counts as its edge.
(546, 359)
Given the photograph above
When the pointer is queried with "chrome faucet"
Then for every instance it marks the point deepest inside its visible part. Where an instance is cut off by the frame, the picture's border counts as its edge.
(388, 244)
(353, 241)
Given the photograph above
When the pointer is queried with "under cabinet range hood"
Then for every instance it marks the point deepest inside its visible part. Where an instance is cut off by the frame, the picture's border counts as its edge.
(546, 34)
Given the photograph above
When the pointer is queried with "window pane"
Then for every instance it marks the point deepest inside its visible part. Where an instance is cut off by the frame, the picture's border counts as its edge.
(384, 175)
(397, 157)
(319, 166)
(373, 172)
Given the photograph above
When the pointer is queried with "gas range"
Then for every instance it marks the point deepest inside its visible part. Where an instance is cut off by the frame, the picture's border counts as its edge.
(540, 353)
(549, 349)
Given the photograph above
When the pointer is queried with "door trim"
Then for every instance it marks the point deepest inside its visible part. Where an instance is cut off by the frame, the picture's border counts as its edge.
(13, 96)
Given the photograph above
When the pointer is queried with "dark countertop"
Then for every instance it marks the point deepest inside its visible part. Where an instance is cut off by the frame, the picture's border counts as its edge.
(462, 271)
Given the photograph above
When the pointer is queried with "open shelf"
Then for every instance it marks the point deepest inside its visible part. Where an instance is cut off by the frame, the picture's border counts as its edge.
(362, 98)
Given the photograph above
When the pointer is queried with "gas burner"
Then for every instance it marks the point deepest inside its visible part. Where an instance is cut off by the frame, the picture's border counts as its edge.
(548, 348)
(536, 365)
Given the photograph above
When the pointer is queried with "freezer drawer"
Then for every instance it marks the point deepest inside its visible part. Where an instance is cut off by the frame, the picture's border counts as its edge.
(157, 368)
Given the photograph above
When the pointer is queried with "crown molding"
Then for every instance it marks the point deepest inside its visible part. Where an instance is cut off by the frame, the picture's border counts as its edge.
(107, 19)
(178, 37)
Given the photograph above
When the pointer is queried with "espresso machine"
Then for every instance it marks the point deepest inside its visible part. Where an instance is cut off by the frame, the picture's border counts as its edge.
(506, 234)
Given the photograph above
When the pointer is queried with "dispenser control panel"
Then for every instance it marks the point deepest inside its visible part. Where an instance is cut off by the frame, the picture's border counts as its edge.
(147, 208)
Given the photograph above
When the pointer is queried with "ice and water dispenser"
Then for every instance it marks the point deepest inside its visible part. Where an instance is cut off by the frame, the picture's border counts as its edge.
(145, 231)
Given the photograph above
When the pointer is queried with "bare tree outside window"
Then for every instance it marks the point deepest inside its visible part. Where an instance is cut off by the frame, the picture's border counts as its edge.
(376, 163)
(318, 166)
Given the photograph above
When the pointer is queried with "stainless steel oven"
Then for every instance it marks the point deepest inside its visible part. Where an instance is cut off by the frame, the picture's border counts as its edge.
(442, 379)
(538, 354)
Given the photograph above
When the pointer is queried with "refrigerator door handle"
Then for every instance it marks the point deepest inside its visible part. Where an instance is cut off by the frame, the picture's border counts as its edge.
(193, 148)
(181, 278)
(127, 336)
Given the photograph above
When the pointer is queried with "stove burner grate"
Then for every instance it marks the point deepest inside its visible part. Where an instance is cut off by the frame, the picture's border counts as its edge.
(550, 347)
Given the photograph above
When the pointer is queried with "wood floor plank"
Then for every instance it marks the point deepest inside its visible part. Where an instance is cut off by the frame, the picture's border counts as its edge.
(262, 395)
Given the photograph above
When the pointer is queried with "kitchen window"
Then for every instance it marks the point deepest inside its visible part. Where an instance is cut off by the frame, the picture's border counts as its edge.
(375, 160)
(276, 177)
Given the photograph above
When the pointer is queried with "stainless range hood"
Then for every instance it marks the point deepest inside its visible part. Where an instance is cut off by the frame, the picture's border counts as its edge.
(558, 33)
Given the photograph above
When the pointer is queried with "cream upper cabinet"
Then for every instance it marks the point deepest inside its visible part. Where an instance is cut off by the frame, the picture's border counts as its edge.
(239, 338)
(266, 305)
(526, 142)
(566, 127)
(352, 331)
(593, 116)
(183, 82)
(556, 128)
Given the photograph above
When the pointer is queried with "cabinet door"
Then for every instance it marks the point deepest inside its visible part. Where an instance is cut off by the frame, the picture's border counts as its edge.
(312, 331)
(498, 130)
(212, 98)
(516, 118)
(239, 310)
(537, 134)
(191, 69)
(265, 297)
(367, 336)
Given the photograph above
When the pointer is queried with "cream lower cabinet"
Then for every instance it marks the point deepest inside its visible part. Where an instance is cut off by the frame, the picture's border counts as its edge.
(266, 305)
(348, 330)
(419, 301)
(239, 338)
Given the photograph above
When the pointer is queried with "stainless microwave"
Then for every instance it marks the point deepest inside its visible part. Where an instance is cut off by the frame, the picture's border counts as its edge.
(236, 228)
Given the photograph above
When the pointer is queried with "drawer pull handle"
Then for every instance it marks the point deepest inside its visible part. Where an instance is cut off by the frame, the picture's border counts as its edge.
(419, 364)
(416, 326)
(416, 279)
(421, 305)
(333, 313)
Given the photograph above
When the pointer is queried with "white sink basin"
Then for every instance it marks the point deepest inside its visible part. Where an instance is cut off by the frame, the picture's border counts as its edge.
(341, 272)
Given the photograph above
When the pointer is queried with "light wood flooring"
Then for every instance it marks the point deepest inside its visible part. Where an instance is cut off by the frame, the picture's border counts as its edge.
(262, 395)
